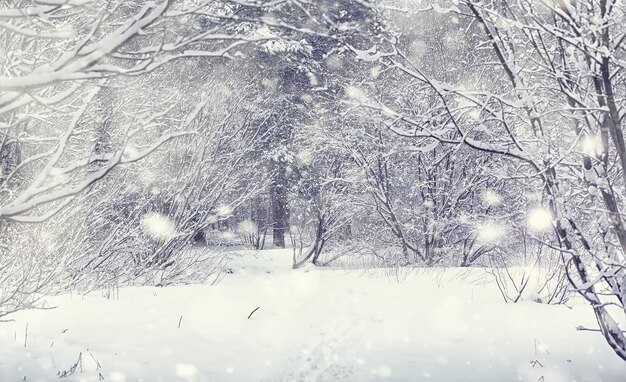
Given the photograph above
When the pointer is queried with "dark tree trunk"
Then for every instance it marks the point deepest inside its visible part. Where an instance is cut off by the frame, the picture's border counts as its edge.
(278, 200)
(9, 160)
(286, 114)
(97, 225)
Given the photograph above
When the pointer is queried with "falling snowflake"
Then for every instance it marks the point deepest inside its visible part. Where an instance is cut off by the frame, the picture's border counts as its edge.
(186, 371)
(428, 203)
(304, 157)
(247, 227)
(590, 144)
(224, 210)
(383, 372)
(491, 198)
(539, 219)
(356, 94)
(490, 232)
(158, 226)
(117, 377)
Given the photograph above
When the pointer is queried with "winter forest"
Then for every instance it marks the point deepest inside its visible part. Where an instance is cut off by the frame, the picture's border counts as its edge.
(312, 190)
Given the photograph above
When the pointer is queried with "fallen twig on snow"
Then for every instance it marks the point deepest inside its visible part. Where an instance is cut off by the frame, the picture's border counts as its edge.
(251, 313)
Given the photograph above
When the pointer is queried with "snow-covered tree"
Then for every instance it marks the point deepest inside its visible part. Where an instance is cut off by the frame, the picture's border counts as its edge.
(550, 104)
(86, 91)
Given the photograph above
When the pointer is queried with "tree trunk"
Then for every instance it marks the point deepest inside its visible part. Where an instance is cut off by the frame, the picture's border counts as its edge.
(278, 200)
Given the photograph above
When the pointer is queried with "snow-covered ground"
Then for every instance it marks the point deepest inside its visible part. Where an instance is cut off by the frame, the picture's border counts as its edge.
(311, 325)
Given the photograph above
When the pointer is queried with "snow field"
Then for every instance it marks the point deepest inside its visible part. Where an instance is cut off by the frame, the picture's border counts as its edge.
(311, 325)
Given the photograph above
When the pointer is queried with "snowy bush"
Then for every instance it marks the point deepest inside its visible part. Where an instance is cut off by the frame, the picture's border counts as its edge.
(251, 234)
